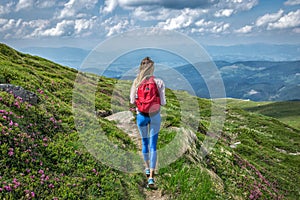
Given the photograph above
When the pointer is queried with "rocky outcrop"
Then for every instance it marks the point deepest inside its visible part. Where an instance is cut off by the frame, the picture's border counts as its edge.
(18, 91)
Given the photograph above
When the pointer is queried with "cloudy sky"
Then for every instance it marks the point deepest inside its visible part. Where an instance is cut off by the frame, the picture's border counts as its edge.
(85, 23)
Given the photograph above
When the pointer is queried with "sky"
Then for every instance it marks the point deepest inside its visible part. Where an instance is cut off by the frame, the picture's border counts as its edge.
(86, 23)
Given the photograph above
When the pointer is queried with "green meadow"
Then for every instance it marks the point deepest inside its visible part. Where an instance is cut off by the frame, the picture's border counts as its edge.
(256, 155)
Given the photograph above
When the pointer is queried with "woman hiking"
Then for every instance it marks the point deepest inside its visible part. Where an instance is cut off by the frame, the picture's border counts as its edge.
(148, 94)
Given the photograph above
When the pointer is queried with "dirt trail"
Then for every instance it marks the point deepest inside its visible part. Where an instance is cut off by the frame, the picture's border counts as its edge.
(125, 121)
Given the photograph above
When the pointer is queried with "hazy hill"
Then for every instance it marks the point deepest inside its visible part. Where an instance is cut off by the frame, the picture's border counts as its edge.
(254, 80)
(43, 157)
(257, 52)
(73, 57)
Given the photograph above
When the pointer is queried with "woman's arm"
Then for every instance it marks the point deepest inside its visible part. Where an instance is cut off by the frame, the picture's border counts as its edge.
(161, 89)
(132, 94)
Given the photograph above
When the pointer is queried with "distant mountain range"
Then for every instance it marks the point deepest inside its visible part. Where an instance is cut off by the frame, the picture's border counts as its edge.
(260, 52)
(67, 56)
(274, 73)
(73, 57)
(254, 80)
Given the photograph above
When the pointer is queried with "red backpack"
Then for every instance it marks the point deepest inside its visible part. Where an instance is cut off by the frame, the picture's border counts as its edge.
(148, 100)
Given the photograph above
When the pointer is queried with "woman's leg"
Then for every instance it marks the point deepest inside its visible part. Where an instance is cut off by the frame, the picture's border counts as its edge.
(154, 130)
(143, 126)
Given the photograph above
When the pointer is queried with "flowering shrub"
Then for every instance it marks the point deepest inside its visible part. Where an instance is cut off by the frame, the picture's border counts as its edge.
(36, 160)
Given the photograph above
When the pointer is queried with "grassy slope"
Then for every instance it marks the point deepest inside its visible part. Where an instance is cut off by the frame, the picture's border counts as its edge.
(45, 143)
(287, 111)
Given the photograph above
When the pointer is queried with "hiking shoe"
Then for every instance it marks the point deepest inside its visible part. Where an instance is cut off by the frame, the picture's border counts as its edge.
(147, 172)
(150, 182)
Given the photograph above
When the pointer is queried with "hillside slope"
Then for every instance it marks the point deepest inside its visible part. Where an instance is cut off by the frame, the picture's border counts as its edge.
(43, 157)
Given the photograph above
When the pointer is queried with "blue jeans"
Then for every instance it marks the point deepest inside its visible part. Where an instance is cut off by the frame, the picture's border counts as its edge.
(149, 127)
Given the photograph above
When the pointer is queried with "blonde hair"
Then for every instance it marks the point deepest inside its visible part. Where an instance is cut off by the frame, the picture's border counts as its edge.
(146, 69)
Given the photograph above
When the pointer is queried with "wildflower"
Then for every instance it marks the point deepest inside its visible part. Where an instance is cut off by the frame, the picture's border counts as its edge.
(11, 153)
(16, 124)
(17, 104)
(11, 123)
(51, 185)
(7, 188)
(32, 194)
(41, 171)
(40, 91)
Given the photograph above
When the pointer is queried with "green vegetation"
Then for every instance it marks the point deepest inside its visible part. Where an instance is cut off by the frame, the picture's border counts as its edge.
(43, 157)
(287, 111)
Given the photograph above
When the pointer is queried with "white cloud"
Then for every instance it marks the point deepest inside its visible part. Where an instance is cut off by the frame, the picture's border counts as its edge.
(10, 24)
(45, 4)
(24, 4)
(73, 7)
(223, 13)
(220, 28)
(237, 5)
(84, 24)
(65, 27)
(292, 2)
(3, 21)
(185, 19)
(109, 6)
(248, 4)
(140, 13)
(37, 27)
(203, 23)
(267, 18)
(117, 28)
(290, 20)
(4, 9)
(245, 29)
(210, 27)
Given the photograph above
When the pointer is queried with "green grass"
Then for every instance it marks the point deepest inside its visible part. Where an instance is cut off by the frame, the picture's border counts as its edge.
(286, 111)
(42, 151)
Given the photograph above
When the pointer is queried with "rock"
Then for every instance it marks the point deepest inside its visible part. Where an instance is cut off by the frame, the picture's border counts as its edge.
(234, 145)
(103, 113)
(18, 91)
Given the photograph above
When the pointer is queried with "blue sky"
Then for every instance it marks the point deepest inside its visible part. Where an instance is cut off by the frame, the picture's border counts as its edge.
(86, 23)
